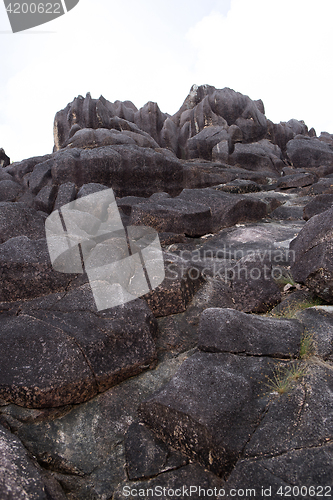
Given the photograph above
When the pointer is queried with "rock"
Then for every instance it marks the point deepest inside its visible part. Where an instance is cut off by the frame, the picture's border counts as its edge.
(4, 159)
(296, 180)
(150, 119)
(173, 295)
(201, 144)
(253, 285)
(319, 204)
(16, 219)
(191, 480)
(174, 215)
(42, 366)
(210, 407)
(284, 428)
(307, 152)
(240, 186)
(19, 169)
(45, 199)
(98, 351)
(146, 456)
(66, 194)
(26, 271)
(287, 212)
(129, 170)
(323, 186)
(89, 138)
(318, 322)
(226, 209)
(228, 330)
(304, 470)
(40, 176)
(20, 477)
(9, 190)
(257, 156)
(313, 253)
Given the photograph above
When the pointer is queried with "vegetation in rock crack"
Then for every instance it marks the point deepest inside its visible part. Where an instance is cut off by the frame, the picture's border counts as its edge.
(286, 279)
(292, 309)
(285, 377)
(307, 347)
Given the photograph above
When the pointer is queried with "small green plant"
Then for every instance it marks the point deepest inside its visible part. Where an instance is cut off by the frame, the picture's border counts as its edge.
(307, 347)
(286, 279)
(291, 310)
(285, 377)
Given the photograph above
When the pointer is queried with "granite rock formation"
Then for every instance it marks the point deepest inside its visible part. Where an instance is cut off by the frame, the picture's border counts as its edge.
(220, 377)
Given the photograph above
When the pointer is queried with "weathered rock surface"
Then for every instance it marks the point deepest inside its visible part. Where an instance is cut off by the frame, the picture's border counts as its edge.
(4, 159)
(243, 401)
(228, 330)
(20, 478)
(313, 249)
(210, 407)
(305, 152)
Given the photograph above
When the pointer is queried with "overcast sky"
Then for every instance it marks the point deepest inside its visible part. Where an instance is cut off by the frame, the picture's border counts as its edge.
(279, 51)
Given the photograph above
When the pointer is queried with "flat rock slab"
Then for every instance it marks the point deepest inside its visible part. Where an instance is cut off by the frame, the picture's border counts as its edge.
(180, 483)
(298, 419)
(305, 472)
(173, 215)
(56, 357)
(210, 407)
(226, 209)
(228, 330)
(20, 479)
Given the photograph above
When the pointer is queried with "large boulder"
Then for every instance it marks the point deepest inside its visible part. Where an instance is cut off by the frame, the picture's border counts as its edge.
(128, 169)
(16, 219)
(68, 352)
(305, 152)
(319, 204)
(313, 255)
(210, 407)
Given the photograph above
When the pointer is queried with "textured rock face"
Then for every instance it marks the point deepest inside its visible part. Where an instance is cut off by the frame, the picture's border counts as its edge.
(313, 249)
(190, 390)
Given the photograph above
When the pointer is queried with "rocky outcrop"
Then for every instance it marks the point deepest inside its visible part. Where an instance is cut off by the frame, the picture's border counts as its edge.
(4, 159)
(212, 381)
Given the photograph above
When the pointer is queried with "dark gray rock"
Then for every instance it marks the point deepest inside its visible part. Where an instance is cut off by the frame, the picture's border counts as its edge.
(26, 271)
(257, 156)
(319, 204)
(183, 482)
(253, 283)
(296, 180)
(146, 456)
(226, 209)
(306, 471)
(210, 408)
(201, 144)
(45, 199)
(16, 219)
(240, 186)
(42, 366)
(318, 323)
(323, 186)
(307, 152)
(287, 212)
(313, 249)
(228, 330)
(129, 170)
(9, 190)
(174, 215)
(4, 159)
(66, 194)
(297, 419)
(98, 350)
(40, 176)
(20, 478)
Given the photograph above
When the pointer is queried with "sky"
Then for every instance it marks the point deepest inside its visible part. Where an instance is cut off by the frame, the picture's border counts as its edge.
(279, 51)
